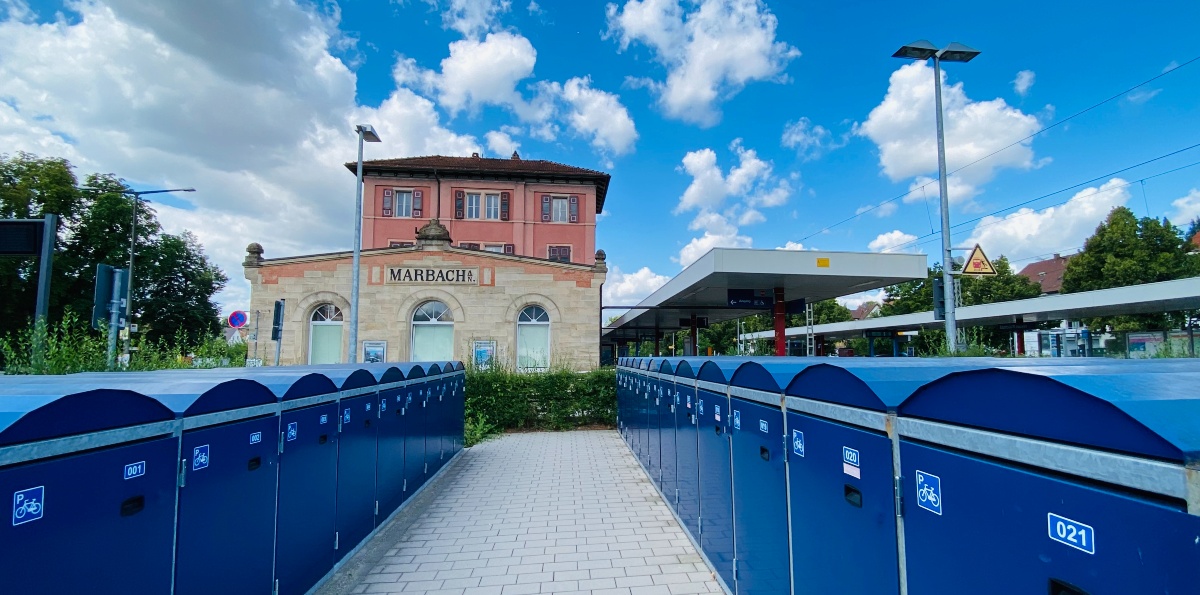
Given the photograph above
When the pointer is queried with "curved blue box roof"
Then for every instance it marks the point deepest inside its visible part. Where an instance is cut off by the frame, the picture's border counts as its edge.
(41, 411)
(720, 369)
(688, 367)
(666, 366)
(1152, 411)
(874, 384)
(770, 375)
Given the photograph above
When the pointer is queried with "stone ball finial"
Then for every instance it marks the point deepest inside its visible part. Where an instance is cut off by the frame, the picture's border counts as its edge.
(601, 266)
(433, 234)
(254, 254)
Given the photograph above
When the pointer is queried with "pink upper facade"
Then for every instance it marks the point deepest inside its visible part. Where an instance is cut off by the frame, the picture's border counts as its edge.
(531, 208)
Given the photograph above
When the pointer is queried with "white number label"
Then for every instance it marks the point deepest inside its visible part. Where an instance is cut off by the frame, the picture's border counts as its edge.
(1073, 533)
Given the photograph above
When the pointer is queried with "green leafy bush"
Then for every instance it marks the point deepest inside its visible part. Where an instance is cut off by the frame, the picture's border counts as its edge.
(555, 400)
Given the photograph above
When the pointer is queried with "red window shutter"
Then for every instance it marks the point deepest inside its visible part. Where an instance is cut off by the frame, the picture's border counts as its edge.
(504, 204)
(387, 202)
(564, 253)
(574, 209)
(460, 200)
(416, 206)
(545, 207)
(510, 249)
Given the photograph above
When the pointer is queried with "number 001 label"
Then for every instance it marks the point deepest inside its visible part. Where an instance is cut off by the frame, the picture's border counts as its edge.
(1073, 533)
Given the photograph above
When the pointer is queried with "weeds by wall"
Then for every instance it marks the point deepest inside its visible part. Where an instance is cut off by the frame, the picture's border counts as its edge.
(500, 399)
(70, 346)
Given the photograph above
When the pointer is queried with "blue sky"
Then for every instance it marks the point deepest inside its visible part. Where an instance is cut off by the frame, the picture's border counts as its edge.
(723, 122)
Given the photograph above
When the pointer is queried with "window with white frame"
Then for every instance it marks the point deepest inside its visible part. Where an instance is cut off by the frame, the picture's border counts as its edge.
(498, 248)
(404, 200)
(533, 339)
(492, 206)
(432, 333)
(560, 211)
(472, 206)
(325, 335)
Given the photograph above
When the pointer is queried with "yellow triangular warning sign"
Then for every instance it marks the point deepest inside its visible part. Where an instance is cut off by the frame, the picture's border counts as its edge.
(978, 264)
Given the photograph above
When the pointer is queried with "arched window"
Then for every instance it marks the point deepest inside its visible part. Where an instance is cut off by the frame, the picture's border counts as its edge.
(533, 339)
(325, 335)
(432, 333)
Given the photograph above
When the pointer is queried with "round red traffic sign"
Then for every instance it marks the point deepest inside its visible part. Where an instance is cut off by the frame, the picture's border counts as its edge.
(238, 319)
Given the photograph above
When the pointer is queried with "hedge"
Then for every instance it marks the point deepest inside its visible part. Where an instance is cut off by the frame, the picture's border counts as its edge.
(499, 399)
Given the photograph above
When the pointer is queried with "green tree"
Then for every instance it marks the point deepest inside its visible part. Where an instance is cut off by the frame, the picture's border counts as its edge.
(180, 284)
(174, 281)
(1127, 251)
(910, 296)
(30, 188)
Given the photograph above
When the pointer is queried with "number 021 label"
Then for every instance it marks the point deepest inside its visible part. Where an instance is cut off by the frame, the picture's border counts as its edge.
(1073, 533)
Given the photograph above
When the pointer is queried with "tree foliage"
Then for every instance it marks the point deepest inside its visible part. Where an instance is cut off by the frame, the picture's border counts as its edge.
(173, 284)
(1125, 251)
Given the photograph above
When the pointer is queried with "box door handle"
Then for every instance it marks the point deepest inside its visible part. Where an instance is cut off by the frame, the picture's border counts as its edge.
(254, 463)
(1058, 587)
(133, 505)
(765, 453)
(853, 495)
(323, 439)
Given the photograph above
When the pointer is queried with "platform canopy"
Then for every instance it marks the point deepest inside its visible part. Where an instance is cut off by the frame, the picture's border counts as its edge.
(703, 288)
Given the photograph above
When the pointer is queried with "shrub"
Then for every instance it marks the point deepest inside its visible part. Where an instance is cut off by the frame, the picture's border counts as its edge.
(554, 400)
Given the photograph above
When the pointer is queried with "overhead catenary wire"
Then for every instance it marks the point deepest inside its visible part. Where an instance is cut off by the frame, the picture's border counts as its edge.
(1054, 124)
(918, 241)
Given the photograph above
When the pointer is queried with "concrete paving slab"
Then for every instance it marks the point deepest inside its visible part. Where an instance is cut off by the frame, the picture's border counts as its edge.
(547, 512)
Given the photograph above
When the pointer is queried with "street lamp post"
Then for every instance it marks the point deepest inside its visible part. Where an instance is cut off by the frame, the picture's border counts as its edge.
(137, 200)
(955, 52)
(365, 133)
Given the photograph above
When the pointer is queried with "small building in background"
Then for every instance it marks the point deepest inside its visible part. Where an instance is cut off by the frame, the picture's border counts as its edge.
(489, 261)
(865, 310)
(1048, 274)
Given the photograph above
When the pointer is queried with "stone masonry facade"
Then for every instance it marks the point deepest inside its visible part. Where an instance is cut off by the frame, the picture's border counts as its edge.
(487, 310)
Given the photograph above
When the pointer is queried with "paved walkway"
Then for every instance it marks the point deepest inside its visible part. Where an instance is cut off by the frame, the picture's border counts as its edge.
(568, 512)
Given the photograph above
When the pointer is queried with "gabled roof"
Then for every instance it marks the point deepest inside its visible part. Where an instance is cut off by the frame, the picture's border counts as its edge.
(1047, 273)
(864, 310)
(475, 167)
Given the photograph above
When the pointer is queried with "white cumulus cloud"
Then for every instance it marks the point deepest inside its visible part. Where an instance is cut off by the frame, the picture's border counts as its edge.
(711, 50)
(245, 101)
(621, 288)
(1186, 208)
(500, 144)
(1028, 232)
(790, 245)
(903, 127)
(472, 17)
(752, 180)
(599, 115)
(1024, 82)
(892, 241)
(484, 72)
(809, 140)
(853, 301)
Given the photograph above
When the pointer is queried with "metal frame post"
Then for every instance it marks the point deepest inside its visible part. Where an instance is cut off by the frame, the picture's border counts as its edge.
(137, 199)
(45, 270)
(947, 257)
(358, 202)
(780, 323)
(114, 318)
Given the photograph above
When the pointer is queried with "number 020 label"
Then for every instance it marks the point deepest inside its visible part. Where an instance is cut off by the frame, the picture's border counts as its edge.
(1073, 533)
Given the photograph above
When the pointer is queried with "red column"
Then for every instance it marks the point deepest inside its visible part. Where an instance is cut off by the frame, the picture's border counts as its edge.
(1020, 342)
(780, 323)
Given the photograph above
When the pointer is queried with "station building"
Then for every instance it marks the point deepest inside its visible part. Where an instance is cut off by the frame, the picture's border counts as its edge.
(469, 258)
